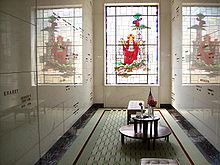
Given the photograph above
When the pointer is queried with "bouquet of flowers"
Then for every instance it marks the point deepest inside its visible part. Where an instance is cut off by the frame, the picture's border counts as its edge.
(150, 100)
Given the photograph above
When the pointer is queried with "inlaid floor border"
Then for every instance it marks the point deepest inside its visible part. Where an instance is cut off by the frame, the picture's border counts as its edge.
(182, 147)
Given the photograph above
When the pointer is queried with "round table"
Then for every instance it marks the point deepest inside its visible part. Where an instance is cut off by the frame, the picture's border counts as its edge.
(148, 129)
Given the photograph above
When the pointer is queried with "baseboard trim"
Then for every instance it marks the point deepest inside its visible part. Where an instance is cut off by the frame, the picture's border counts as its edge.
(166, 106)
(97, 105)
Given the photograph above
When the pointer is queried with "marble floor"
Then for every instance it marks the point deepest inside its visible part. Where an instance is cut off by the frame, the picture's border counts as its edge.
(61, 146)
(205, 147)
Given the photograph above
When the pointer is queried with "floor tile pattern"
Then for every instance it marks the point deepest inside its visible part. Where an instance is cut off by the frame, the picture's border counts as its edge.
(104, 147)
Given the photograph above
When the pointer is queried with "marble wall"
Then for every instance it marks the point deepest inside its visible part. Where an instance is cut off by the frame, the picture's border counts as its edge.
(34, 116)
(199, 103)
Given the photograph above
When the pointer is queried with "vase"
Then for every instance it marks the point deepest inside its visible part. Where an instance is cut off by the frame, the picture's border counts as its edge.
(150, 111)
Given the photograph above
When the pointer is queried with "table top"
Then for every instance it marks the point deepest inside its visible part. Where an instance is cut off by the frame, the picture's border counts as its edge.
(147, 118)
(128, 130)
(134, 104)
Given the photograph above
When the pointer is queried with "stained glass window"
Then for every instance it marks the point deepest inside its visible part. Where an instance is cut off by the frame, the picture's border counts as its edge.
(201, 44)
(59, 46)
(132, 44)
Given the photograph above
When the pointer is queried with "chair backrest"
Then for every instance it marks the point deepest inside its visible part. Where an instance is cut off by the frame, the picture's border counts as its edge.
(150, 128)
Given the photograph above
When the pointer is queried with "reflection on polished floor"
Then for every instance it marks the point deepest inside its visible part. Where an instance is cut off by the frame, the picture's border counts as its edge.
(205, 147)
(62, 145)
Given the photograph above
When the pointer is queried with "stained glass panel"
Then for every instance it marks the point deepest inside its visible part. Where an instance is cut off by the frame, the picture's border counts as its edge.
(201, 44)
(132, 48)
(59, 46)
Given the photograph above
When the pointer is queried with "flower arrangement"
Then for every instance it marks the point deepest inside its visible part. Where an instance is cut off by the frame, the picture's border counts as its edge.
(152, 103)
(150, 100)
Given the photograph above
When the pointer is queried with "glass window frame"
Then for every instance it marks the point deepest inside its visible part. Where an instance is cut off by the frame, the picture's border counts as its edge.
(201, 76)
(77, 29)
(157, 42)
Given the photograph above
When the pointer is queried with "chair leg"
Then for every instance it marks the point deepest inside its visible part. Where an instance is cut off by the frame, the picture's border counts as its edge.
(167, 138)
(148, 143)
(122, 139)
(154, 140)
